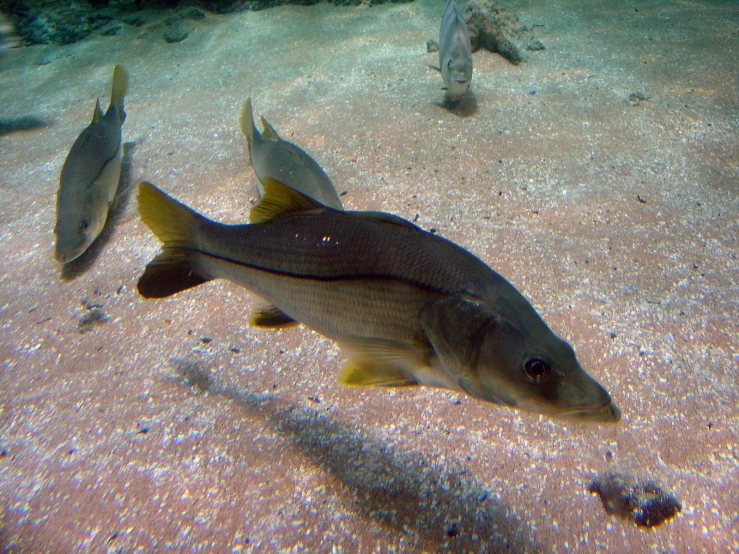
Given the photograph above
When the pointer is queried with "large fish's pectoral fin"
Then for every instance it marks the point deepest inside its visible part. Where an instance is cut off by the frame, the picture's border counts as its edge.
(455, 327)
(379, 363)
(270, 317)
(370, 373)
(280, 200)
(269, 132)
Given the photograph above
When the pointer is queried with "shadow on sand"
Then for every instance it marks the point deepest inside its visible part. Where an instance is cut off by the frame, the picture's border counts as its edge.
(75, 268)
(444, 506)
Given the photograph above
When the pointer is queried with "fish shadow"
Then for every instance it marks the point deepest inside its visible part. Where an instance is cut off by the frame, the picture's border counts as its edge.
(440, 505)
(81, 265)
(464, 107)
(17, 124)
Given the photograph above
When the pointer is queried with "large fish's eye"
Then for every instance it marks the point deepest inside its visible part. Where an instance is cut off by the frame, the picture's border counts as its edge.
(536, 369)
(84, 224)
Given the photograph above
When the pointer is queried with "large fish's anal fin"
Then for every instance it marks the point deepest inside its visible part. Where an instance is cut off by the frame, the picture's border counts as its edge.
(271, 317)
(380, 363)
(280, 200)
(167, 274)
(269, 132)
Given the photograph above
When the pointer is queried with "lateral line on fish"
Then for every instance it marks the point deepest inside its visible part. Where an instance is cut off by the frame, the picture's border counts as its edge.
(324, 278)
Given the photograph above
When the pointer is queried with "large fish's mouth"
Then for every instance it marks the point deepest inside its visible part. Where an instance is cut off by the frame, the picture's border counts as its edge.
(463, 82)
(608, 413)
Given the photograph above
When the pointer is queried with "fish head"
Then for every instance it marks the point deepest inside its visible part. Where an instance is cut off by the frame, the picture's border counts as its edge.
(78, 223)
(517, 363)
(457, 74)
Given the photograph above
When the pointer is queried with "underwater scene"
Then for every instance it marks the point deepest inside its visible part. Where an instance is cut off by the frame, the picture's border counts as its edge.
(362, 277)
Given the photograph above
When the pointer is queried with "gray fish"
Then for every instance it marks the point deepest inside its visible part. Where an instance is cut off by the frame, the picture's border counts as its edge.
(89, 178)
(455, 52)
(406, 306)
(286, 162)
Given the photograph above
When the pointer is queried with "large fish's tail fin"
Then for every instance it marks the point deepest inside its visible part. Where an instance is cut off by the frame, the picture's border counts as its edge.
(170, 272)
(246, 121)
(120, 86)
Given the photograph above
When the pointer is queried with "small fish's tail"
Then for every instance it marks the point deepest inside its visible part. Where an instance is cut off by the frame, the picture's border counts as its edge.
(170, 272)
(120, 86)
(246, 121)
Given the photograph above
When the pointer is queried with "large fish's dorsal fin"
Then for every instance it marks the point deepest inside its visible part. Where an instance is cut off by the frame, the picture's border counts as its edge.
(246, 122)
(269, 132)
(280, 200)
(97, 113)
(120, 86)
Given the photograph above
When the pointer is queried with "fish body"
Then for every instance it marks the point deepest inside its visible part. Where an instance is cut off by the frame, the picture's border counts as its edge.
(89, 177)
(275, 158)
(455, 52)
(406, 306)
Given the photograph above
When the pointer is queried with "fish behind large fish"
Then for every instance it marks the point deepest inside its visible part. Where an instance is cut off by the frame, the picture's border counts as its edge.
(275, 158)
(455, 52)
(90, 175)
(407, 307)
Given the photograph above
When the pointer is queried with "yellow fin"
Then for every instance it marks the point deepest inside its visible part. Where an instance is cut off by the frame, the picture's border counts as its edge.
(269, 132)
(279, 200)
(167, 218)
(246, 122)
(381, 362)
(373, 373)
(170, 221)
(270, 317)
(97, 113)
(120, 86)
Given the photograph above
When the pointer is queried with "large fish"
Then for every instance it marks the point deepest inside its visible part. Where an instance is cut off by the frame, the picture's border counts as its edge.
(455, 52)
(89, 178)
(286, 162)
(406, 306)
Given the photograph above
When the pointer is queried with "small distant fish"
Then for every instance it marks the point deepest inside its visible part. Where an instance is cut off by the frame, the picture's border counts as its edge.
(406, 306)
(8, 37)
(89, 178)
(286, 162)
(455, 52)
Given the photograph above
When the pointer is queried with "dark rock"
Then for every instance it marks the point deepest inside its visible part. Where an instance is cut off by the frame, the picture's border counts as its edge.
(641, 501)
(495, 29)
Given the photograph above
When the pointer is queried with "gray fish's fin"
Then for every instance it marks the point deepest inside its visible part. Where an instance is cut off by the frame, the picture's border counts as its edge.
(380, 363)
(120, 87)
(280, 200)
(246, 122)
(97, 113)
(271, 317)
(434, 67)
(269, 132)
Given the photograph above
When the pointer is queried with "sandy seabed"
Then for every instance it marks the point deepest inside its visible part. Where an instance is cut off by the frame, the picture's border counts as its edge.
(130, 425)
